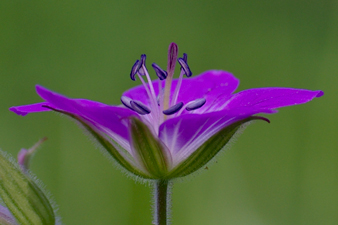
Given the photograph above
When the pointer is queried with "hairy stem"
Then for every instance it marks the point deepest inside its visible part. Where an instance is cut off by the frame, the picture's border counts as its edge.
(162, 202)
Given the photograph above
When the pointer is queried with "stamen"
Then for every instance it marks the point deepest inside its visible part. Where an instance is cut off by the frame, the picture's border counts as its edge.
(185, 67)
(173, 109)
(139, 107)
(141, 70)
(162, 74)
(185, 58)
(126, 102)
(135, 69)
(160, 98)
(152, 95)
(198, 103)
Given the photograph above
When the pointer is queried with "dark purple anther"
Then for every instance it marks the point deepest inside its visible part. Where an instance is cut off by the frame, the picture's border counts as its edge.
(142, 63)
(126, 102)
(135, 69)
(162, 74)
(172, 57)
(185, 58)
(198, 103)
(185, 67)
(139, 107)
(173, 109)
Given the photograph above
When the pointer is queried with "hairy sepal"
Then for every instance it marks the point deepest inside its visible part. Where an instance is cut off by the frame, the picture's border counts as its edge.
(108, 146)
(148, 149)
(22, 196)
(209, 149)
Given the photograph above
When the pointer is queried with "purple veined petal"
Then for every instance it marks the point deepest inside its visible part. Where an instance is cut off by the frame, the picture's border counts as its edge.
(23, 110)
(62, 102)
(95, 122)
(186, 133)
(270, 98)
(214, 86)
(110, 120)
(211, 85)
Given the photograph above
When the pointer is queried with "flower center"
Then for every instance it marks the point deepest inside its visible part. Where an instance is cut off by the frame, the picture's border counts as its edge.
(162, 105)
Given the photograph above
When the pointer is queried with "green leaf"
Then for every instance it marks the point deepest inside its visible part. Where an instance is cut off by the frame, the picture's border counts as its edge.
(209, 149)
(120, 159)
(149, 149)
(22, 196)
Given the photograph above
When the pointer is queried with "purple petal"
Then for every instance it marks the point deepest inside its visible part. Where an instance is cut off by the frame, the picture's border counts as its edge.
(184, 134)
(62, 102)
(210, 85)
(270, 98)
(108, 119)
(102, 117)
(23, 110)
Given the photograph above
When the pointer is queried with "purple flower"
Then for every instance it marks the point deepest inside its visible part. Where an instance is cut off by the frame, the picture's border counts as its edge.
(6, 217)
(169, 127)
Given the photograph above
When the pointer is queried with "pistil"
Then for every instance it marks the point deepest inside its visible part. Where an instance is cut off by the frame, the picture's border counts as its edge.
(172, 57)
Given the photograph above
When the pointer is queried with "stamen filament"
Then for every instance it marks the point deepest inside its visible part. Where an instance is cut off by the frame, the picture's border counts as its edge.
(177, 89)
(147, 89)
(160, 98)
(181, 110)
(153, 95)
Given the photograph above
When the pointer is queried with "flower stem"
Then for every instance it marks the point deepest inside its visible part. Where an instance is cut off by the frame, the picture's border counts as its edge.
(162, 194)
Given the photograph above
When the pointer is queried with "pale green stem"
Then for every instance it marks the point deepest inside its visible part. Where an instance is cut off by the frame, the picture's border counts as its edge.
(162, 202)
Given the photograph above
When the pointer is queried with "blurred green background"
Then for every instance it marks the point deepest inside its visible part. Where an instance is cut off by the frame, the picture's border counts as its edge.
(285, 172)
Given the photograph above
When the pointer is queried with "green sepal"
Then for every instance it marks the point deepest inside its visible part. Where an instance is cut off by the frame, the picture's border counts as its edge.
(22, 196)
(108, 146)
(149, 149)
(208, 149)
